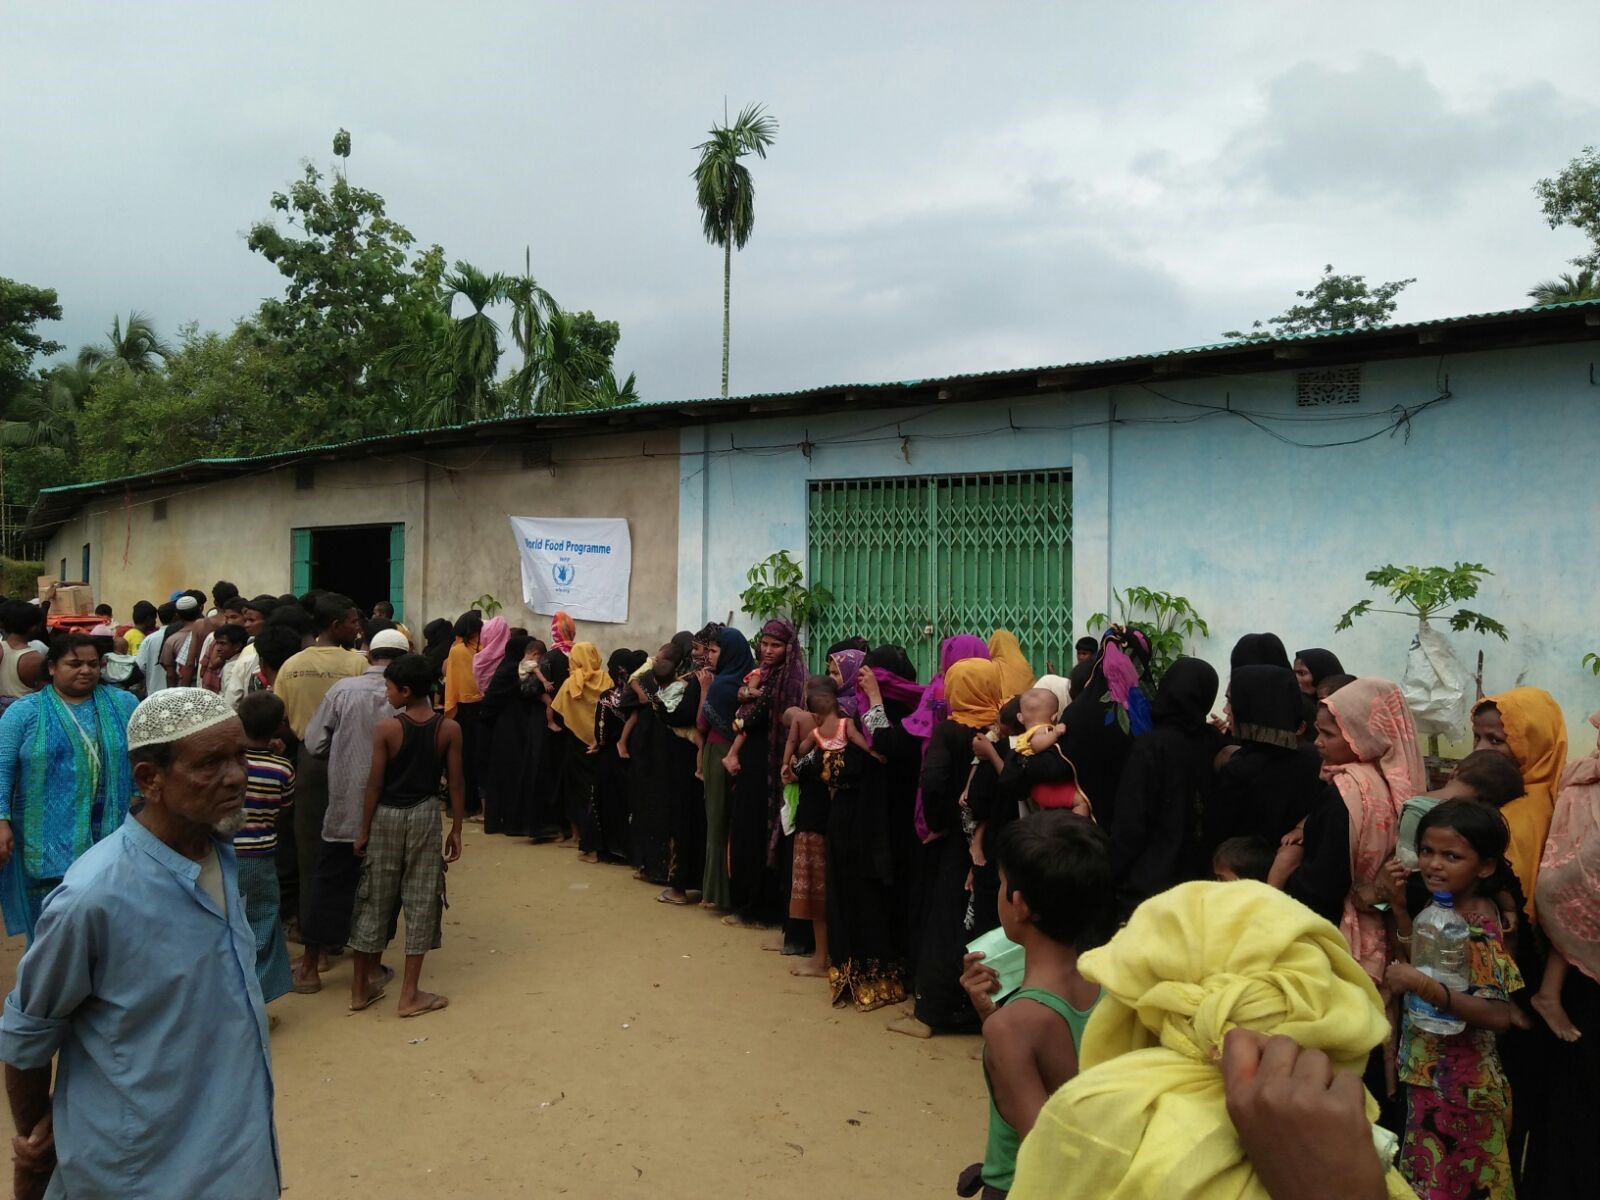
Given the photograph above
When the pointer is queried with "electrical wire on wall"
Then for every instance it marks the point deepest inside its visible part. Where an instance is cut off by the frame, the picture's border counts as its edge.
(1394, 420)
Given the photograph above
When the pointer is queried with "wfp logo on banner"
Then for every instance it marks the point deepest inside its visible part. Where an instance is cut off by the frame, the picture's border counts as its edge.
(563, 573)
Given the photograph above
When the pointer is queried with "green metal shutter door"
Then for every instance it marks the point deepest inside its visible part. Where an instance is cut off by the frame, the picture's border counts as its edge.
(1004, 560)
(964, 554)
(397, 570)
(869, 546)
(300, 561)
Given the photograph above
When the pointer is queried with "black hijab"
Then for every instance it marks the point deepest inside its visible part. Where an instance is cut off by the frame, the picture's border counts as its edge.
(1321, 663)
(1266, 705)
(1185, 694)
(505, 684)
(1259, 650)
(733, 664)
(893, 659)
(437, 636)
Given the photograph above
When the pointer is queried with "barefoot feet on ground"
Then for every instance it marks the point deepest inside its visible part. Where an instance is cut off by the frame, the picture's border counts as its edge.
(1549, 1007)
(774, 944)
(908, 1024)
(423, 1002)
(810, 968)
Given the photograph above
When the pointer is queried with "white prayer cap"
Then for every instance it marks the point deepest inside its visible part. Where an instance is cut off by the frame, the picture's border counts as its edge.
(187, 604)
(389, 639)
(173, 714)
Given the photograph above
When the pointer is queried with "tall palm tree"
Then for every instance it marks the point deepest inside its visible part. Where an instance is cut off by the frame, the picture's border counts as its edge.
(475, 337)
(135, 348)
(531, 307)
(727, 195)
(1565, 288)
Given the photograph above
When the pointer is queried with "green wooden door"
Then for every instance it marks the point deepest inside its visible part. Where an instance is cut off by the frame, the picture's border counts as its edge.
(914, 560)
(300, 561)
(397, 570)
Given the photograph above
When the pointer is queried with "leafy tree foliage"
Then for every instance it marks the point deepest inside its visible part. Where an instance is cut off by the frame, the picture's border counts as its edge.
(1333, 302)
(23, 306)
(370, 335)
(1573, 198)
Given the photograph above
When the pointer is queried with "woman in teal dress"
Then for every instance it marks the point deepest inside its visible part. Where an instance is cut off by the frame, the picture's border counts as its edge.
(64, 777)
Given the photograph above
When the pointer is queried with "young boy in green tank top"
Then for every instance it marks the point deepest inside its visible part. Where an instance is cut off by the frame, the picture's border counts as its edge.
(1055, 901)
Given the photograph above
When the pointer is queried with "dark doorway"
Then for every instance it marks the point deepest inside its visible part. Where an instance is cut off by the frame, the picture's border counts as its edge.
(352, 560)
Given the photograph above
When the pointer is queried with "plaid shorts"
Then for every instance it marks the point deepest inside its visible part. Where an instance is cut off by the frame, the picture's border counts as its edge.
(405, 862)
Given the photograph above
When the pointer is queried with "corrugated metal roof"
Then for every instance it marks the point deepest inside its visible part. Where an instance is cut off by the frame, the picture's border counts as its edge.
(56, 504)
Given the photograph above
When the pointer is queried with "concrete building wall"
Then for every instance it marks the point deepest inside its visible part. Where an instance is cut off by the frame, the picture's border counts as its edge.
(454, 504)
(1172, 491)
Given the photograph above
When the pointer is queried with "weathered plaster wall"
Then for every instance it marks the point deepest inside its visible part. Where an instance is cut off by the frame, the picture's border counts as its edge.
(1258, 533)
(453, 503)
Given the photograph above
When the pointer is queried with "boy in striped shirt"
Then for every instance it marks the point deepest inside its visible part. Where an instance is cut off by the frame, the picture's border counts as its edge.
(268, 790)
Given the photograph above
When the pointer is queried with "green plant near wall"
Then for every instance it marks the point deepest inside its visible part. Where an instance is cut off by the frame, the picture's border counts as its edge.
(1168, 620)
(488, 605)
(777, 589)
(1429, 593)
(1592, 661)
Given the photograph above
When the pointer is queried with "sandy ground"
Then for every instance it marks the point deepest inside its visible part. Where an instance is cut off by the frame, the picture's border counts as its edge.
(598, 1044)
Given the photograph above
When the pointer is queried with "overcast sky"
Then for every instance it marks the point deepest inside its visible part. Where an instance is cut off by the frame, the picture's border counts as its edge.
(955, 186)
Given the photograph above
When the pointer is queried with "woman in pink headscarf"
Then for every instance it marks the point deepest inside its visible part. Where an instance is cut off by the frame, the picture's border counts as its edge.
(562, 632)
(491, 649)
(1368, 744)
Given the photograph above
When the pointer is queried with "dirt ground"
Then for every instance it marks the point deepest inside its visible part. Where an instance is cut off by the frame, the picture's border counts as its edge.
(598, 1044)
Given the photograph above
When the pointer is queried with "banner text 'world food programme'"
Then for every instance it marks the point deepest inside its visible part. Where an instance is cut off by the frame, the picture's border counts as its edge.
(578, 565)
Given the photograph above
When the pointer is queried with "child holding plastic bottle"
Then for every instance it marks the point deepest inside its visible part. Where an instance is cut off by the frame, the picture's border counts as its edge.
(1458, 1103)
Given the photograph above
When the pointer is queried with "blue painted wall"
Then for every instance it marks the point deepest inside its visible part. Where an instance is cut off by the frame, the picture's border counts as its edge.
(1258, 533)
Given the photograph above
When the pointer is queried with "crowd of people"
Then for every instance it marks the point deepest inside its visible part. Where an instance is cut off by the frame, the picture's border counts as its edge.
(879, 826)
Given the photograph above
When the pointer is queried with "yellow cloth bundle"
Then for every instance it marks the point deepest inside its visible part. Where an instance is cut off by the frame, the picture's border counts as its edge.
(1146, 1118)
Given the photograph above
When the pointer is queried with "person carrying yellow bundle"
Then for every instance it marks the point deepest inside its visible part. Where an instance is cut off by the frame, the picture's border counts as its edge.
(1146, 1115)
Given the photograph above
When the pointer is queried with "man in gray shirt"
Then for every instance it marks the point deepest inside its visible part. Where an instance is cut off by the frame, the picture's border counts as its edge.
(341, 731)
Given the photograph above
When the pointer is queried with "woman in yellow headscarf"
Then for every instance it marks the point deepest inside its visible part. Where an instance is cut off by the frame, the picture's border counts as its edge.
(1525, 724)
(1016, 674)
(1147, 1116)
(575, 704)
(972, 690)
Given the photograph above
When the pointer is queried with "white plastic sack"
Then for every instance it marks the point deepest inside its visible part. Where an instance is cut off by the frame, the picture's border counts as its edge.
(1436, 685)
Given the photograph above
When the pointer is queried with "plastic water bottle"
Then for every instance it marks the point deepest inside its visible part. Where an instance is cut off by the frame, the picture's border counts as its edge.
(1439, 951)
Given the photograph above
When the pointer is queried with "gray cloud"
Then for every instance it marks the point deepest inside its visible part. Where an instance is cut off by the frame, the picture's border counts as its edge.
(1385, 128)
(955, 188)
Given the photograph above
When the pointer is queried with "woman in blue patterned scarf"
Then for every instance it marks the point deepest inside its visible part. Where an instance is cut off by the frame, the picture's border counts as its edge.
(64, 777)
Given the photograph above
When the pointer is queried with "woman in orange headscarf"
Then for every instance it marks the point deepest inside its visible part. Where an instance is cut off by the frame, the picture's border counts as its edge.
(1526, 724)
(1368, 744)
(949, 780)
(575, 703)
(1016, 673)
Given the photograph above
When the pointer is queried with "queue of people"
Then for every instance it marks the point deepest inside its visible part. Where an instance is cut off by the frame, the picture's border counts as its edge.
(876, 825)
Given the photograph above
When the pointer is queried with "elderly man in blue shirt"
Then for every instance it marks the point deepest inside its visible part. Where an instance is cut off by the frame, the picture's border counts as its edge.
(141, 982)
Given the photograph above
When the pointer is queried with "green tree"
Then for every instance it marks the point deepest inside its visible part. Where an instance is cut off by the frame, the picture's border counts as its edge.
(1573, 198)
(1333, 302)
(45, 411)
(23, 306)
(217, 398)
(475, 338)
(350, 297)
(1566, 288)
(727, 195)
(136, 348)
(566, 366)
(1429, 593)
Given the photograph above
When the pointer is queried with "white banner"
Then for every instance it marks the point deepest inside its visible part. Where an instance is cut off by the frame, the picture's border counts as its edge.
(577, 565)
